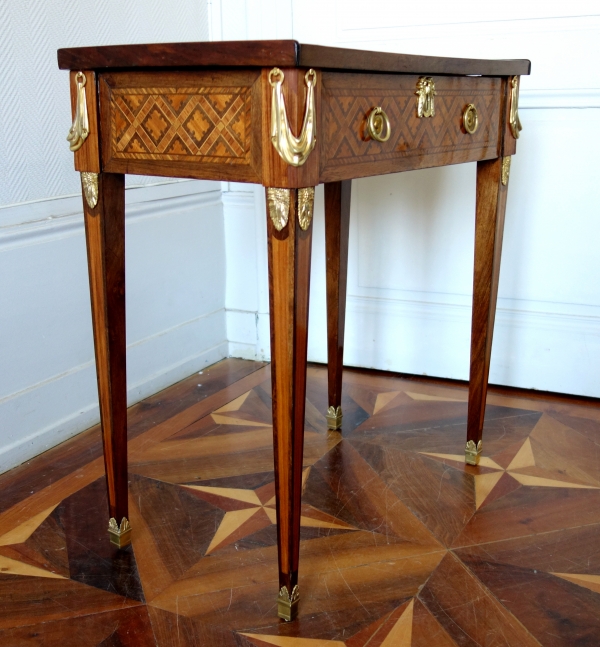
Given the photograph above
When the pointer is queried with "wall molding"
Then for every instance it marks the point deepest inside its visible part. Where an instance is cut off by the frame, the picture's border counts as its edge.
(46, 211)
(145, 204)
(563, 98)
(433, 338)
(80, 383)
(22, 412)
(425, 30)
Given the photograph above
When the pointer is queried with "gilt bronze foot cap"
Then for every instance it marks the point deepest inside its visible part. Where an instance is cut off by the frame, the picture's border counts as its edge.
(334, 418)
(287, 606)
(472, 452)
(120, 536)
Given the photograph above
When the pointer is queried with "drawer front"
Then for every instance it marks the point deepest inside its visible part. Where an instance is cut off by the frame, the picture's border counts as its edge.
(414, 142)
(185, 124)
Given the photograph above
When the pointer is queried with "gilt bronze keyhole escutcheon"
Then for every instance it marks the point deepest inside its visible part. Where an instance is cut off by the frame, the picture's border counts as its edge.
(426, 93)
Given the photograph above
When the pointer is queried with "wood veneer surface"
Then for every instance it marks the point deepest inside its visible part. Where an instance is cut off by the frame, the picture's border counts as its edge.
(281, 53)
(401, 543)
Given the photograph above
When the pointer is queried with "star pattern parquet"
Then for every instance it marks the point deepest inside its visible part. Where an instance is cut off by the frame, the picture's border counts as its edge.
(402, 544)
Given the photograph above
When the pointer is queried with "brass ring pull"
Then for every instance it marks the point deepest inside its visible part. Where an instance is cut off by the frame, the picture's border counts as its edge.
(470, 118)
(375, 125)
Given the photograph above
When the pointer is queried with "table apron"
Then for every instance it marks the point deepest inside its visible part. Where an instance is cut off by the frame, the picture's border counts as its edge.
(214, 124)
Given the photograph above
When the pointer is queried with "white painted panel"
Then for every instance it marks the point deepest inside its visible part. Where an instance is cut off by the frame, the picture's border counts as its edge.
(561, 49)
(439, 12)
(35, 161)
(414, 229)
(553, 210)
(176, 323)
(411, 235)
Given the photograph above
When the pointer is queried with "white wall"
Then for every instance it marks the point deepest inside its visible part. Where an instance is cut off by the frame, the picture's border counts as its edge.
(196, 258)
(411, 235)
(174, 234)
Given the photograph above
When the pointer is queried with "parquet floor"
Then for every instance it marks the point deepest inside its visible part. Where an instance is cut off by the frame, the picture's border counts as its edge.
(402, 544)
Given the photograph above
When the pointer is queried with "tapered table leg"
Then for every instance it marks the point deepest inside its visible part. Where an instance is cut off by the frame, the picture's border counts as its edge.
(105, 237)
(337, 228)
(289, 229)
(492, 184)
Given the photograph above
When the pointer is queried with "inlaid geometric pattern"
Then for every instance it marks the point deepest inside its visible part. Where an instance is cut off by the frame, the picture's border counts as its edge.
(402, 544)
(345, 112)
(205, 123)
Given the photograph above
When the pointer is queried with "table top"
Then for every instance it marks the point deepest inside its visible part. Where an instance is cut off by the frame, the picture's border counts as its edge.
(280, 53)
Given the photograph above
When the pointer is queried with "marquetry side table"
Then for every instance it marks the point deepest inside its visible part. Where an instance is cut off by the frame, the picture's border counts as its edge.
(288, 116)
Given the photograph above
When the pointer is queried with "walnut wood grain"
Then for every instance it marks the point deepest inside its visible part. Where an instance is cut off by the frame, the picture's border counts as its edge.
(87, 158)
(183, 124)
(337, 229)
(280, 53)
(489, 227)
(105, 237)
(289, 281)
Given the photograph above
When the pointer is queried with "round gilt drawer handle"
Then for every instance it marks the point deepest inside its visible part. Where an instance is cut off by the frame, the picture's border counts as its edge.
(375, 125)
(470, 119)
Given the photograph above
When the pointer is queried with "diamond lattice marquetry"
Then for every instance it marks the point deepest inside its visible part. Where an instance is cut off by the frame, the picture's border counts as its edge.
(208, 124)
(346, 111)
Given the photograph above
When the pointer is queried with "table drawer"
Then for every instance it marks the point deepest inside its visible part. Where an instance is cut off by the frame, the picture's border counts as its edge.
(186, 124)
(347, 151)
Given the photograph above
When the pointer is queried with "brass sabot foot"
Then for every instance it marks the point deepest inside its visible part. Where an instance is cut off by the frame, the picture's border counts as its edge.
(334, 418)
(287, 606)
(472, 452)
(120, 536)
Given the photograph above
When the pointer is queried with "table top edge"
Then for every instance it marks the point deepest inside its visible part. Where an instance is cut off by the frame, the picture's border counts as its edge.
(279, 53)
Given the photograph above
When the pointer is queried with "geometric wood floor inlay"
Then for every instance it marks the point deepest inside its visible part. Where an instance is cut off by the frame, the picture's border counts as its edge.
(402, 544)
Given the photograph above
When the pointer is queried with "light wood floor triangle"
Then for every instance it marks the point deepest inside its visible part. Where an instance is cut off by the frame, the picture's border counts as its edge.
(484, 461)
(434, 398)
(591, 582)
(241, 422)
(230, 523)
(523, 458)
(287, 641)
(383, 399)
(10, 566)
(484, 484)
(234, 405)
(239, 494)
(401, 633)
(21, 533)
(539, 481)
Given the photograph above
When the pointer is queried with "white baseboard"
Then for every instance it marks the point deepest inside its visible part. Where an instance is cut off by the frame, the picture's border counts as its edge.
(72, 397)
(533, 347)
(48, 385)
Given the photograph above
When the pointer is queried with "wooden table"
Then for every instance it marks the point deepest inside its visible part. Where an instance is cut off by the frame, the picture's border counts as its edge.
(288, 116)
